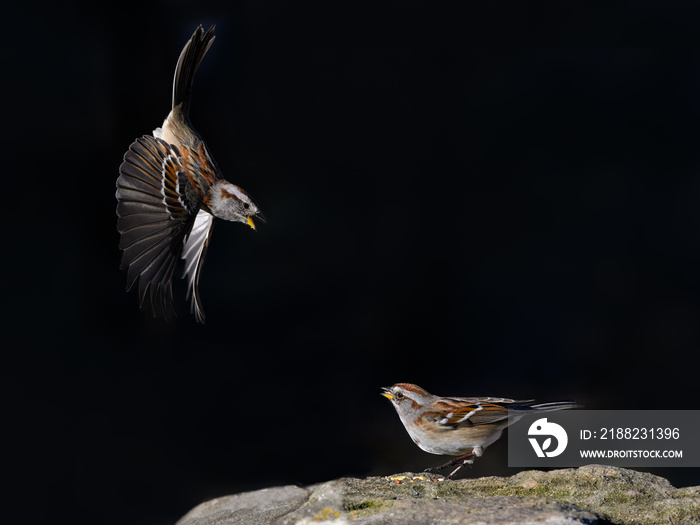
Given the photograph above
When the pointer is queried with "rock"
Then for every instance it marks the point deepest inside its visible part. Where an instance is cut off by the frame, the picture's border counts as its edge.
(593, 494)
(247, 508)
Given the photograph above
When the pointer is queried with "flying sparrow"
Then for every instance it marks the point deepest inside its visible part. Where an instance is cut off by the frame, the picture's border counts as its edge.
(459, 426)
(169, 190)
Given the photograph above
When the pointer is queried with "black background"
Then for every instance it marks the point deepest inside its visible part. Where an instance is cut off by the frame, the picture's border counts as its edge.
(481, 199)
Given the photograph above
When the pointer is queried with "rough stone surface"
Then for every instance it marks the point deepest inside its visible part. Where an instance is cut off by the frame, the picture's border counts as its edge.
(260, 506)
(594, 494)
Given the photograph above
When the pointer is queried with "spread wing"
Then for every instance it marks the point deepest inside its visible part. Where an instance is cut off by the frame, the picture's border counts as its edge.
(156, 212)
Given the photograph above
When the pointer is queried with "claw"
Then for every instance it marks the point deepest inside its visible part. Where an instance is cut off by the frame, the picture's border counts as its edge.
(466, 459)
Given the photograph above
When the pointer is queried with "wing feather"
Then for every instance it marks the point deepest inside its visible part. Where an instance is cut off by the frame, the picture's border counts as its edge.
(193, 253)
(143, 231)
(456, 412)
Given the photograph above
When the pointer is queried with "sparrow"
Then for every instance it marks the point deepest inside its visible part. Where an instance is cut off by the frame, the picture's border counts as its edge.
(169, 191)
(459, 426)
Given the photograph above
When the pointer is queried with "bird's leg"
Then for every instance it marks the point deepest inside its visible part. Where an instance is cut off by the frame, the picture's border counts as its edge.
(466, 459)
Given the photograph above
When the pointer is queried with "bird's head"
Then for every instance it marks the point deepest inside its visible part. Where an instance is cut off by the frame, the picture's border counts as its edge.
(232, 203)
(408, 398)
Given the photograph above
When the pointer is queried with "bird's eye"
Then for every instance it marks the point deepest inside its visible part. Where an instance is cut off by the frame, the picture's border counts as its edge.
(398, 395)
(246, 205)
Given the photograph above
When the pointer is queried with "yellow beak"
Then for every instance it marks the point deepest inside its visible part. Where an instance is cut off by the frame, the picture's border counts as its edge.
(251, 223)
(387, 395)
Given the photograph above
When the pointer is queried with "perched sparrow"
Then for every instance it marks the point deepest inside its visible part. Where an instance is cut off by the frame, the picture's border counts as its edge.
(459, 426)
(169, 191)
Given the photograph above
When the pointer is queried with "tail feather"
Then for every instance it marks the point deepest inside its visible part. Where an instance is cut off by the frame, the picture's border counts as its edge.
(190, 58)
(555, 405)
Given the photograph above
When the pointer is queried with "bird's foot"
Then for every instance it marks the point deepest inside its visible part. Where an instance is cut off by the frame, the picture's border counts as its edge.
(466, 459)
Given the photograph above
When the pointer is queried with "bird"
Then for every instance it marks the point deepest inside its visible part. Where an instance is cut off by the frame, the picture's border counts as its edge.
(459, 426)
(169, 191)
